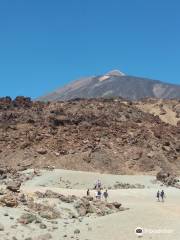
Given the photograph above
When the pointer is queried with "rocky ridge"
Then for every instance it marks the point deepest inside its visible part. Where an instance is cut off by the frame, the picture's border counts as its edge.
(106, 135)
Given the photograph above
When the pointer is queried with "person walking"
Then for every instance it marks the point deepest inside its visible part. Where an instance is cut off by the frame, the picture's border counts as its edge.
(105, 195)
(99, 184)
(88, 193)
(98, 196)
(158, 195)
(162, 194)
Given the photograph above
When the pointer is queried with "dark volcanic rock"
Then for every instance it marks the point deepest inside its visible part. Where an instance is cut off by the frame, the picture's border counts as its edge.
(107, 135)
(167, 178)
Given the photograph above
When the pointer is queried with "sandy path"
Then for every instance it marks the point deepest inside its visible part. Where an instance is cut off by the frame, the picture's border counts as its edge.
(144, 210)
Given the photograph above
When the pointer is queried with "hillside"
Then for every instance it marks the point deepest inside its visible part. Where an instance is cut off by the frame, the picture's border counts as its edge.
(114, 84)
(113, 136)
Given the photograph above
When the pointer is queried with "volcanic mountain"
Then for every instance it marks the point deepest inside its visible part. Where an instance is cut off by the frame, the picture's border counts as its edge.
(114, 84)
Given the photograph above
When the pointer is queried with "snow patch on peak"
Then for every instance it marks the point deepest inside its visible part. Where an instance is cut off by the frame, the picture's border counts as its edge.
(103, 78)
(115, 73)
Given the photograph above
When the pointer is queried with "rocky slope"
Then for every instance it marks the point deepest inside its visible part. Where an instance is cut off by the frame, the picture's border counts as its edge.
(115, 84)
(98, 135)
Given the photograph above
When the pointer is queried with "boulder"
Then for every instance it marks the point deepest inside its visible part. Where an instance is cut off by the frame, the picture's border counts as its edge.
(49, 214)
(76, 231)
(41, 151)
(27, 218)
(51, 194)
(80, 207)
(117, 205)
(14, 186)
(100, 208)
(9, 200)
(68, 199)
(1, 227)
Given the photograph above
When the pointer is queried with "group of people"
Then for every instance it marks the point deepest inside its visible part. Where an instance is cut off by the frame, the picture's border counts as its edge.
(104, 194)
(160, 195)
(99, 191)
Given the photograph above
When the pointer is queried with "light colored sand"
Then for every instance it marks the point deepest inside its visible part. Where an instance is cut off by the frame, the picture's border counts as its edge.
(154, 108)
(144, 210)
(84, 180)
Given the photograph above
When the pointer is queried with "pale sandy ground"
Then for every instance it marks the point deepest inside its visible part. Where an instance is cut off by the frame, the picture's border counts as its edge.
(144, 211)
(154, 108)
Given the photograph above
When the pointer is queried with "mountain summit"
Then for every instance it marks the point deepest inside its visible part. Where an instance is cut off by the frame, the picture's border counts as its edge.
(114, 84)
(115, 73)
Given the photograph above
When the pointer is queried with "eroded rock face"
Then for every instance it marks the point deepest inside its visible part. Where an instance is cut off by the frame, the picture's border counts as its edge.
(85, 206)
(168, 179)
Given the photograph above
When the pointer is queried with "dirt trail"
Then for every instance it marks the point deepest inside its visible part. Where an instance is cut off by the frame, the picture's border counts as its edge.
(144, 211)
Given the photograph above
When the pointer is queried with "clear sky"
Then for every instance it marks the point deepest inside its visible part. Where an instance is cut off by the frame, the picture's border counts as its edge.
(44, 44)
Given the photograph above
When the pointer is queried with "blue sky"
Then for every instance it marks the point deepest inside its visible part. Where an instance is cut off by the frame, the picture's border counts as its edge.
(44, 44)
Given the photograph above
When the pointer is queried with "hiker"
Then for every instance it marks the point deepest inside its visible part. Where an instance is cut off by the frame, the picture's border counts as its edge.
(162, 194)
(158, 195)
(88, 193)
(98, 194)
(105, 195)
(98, 184)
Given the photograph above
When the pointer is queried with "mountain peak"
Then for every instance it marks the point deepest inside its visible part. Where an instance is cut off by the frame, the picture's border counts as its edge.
(114, 84)
(115, 73)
